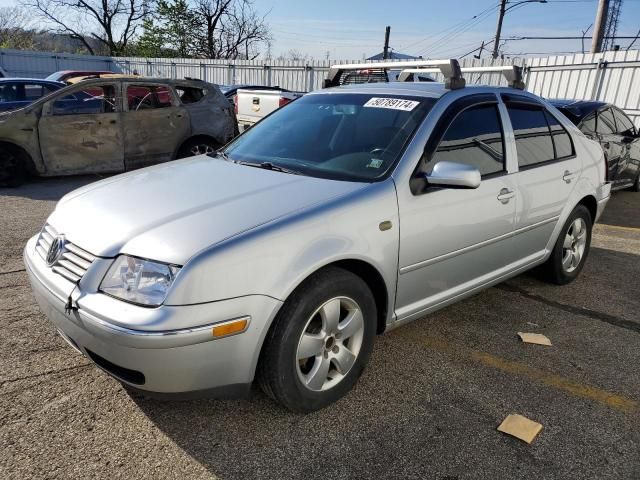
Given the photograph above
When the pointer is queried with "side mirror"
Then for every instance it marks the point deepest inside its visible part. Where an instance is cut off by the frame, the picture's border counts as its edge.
(452, 174)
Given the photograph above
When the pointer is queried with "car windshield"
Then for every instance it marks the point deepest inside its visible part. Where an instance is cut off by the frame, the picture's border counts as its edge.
(342, 136)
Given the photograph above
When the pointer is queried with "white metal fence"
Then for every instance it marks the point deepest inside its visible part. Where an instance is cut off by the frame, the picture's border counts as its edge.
(612, 76)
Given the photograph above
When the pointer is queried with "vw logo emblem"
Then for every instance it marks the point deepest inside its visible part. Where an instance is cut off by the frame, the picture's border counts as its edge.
(55, 250)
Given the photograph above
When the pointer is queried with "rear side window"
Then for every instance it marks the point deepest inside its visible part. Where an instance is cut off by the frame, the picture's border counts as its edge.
(623, 123)
(606, 124)
(532, 134)
(142, 97)
(473, 138)
(561, 139)
(190, 94)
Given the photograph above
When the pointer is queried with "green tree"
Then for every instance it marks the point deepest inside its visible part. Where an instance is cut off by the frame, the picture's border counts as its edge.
(170, 31)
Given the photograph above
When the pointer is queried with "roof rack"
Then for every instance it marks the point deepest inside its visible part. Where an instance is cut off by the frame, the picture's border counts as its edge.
(512, 73)
(449, 68)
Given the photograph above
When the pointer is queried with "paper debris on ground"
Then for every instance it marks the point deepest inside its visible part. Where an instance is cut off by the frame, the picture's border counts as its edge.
(536, 338)
(520, 427)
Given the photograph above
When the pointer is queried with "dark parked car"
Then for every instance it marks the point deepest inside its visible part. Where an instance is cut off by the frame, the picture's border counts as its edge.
(64, 75)
(19, 92)
(616, 133)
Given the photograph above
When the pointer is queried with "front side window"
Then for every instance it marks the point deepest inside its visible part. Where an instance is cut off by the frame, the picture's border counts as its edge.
(473, 138)
(142, 97)
(532, 134)
(90, 100)
(343, 136)
(623, 123)
(589, 124)
(606, 124)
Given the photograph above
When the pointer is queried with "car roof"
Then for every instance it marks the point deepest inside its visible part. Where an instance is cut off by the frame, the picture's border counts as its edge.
(577, 108)
(30, 80)
(419, 89)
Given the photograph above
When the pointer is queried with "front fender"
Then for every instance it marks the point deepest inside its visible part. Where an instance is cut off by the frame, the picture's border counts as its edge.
(275, 258)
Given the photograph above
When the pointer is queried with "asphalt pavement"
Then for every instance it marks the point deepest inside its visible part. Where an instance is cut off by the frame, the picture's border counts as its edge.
(427, 406)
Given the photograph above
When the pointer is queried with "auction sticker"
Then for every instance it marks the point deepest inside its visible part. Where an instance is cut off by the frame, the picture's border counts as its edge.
(392, 103)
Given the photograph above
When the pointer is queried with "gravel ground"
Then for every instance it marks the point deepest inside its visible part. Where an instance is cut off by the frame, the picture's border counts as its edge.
(427, 406)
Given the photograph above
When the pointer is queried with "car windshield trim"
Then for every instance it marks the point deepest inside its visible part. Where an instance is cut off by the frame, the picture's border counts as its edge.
(356, 137)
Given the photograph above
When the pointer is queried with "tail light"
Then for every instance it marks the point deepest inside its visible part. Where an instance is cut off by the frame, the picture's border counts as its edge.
(283, 101)
(235, 103)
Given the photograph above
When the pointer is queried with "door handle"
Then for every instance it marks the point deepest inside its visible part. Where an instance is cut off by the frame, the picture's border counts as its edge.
(505, 195)
(568, 176)
(112, 121)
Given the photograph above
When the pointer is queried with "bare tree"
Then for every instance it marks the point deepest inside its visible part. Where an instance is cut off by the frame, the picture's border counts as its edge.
(109, 24)
(231, 29)
(15, 28)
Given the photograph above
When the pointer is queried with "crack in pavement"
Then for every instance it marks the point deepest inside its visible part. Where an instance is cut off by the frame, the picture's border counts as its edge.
(13, 271)
(48, 372)
(585, 312)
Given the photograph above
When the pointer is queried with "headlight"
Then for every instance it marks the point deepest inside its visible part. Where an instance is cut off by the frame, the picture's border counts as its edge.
(139, 281)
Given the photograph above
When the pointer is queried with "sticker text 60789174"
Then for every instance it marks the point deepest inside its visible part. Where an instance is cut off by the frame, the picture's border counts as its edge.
(392, 103)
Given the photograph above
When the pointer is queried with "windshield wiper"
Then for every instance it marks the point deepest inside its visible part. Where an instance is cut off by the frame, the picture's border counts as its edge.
(219, 153)
(270, 166)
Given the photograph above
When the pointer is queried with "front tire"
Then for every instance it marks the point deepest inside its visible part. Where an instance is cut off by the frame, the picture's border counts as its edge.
(320, 341)
(571, 249)
(13, 170)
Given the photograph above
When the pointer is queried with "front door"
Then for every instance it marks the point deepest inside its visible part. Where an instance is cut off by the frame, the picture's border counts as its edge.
(82, 136)
(155, 124)
(611, 144)
(451, 239)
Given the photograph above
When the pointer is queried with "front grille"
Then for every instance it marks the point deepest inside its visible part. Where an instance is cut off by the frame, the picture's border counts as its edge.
(74, 261)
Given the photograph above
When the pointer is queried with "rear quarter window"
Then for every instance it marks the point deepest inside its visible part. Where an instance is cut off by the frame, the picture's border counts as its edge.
(189, 95)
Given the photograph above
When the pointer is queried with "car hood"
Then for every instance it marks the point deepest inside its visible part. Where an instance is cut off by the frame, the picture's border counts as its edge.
(172, 211)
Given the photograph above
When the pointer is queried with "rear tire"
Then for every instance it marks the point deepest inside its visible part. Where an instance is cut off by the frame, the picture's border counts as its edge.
(320, 341)
(571, 249)
(197, 146)
(636, 186)
(13, 169)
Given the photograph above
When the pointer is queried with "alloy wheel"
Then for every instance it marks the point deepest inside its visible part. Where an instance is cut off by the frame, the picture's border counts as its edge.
(201, 149)
(574, 245)
(330, 344)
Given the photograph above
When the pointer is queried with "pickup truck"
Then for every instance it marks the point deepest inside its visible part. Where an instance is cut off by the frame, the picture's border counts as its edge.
(253, 105)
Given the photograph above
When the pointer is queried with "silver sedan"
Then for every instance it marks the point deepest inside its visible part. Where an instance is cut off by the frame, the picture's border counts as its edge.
(343, 215)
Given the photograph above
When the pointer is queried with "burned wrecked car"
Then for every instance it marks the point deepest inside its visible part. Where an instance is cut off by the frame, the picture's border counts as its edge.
(113, 125)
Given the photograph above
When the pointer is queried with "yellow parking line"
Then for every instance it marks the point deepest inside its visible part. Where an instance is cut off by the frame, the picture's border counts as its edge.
(603, 397)
(616, 227)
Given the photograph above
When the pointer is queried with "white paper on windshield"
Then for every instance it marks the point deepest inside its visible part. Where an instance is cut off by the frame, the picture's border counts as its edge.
(392, 103)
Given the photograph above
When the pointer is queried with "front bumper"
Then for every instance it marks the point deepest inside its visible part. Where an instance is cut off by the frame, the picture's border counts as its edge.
(130, 343)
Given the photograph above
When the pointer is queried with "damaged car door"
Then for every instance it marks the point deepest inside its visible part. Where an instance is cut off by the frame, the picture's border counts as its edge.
(82, 137)
(154, 124)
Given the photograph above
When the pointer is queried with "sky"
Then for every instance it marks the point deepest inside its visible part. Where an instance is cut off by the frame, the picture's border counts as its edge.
(351, 29)
(354, 29)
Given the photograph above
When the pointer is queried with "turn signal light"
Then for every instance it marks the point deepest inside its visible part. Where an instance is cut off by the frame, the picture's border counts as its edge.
(229, 328)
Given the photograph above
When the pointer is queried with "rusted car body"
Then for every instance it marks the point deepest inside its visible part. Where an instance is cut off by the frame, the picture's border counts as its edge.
(113, 125)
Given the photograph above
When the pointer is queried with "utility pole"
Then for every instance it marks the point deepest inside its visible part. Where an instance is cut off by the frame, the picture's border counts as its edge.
(385, 50)
(600, 26)
(496, 43)
(480, 52)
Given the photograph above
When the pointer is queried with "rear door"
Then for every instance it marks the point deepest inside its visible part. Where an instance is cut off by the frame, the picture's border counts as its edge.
(86, 139)
(547, 172)
(155, 123)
